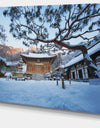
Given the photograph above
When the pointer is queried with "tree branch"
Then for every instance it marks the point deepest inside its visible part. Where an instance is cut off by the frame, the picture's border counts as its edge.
(76, 20)
(29, 28)
(88, 17)
(80, 35)
(82, 11)
(73, 47)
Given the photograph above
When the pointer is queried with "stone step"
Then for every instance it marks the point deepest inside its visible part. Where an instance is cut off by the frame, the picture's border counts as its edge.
(38, 76)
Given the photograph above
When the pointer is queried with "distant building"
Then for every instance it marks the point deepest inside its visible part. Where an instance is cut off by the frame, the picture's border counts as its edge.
(38, 64)
(7, 67)
(13, 69)
(10, 66)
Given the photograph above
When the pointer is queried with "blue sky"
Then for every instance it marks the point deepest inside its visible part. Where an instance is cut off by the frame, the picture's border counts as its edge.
(5, 21)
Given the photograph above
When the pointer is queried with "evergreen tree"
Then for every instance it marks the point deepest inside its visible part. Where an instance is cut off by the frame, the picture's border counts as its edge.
(2, 34)
(57, 25)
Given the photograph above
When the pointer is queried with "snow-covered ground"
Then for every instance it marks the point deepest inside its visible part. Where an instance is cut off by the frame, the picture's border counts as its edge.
(79, 96)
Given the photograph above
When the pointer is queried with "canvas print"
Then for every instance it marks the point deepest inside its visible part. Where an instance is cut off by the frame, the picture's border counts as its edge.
(50, 56)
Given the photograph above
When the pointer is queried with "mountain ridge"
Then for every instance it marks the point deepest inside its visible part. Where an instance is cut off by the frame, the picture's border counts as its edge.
(11, 53)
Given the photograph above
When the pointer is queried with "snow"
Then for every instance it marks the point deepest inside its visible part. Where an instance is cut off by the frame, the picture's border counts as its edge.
(92, 65)
(80, 57)
(9, 63)
(48, 74)
(24, 68)
(12, 63)
(95, 81)
(67, 43)
(94, 49)
(88, 57)
(59, 67)
(8, 74)
(79, 96)
(74, 60)
(39, 55)
(98, 57)
(3, 59)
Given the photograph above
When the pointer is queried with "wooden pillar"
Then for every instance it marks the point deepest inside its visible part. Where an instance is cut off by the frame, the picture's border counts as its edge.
(57, 81)
(63, 86)
(69, 78)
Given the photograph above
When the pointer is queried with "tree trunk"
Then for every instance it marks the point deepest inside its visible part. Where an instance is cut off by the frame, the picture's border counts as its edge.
(63, 86)
(57, 81)
(69, 78)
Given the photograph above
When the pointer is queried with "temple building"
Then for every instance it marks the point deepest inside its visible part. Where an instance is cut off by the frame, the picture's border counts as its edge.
(76, 69)
(38, 64)
(77, 66)
(9, 66)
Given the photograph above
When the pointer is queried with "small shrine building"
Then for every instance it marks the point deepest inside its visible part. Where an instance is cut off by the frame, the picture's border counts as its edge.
(38, 64)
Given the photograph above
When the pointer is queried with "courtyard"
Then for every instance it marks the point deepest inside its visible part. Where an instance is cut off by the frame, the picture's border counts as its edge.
(77, 96)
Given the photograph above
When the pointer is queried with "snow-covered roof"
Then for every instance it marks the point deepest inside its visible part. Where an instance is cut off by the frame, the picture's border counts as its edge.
(3, 59)
(59, 67)
(39, 55)
(91, 51)
(10, 63)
